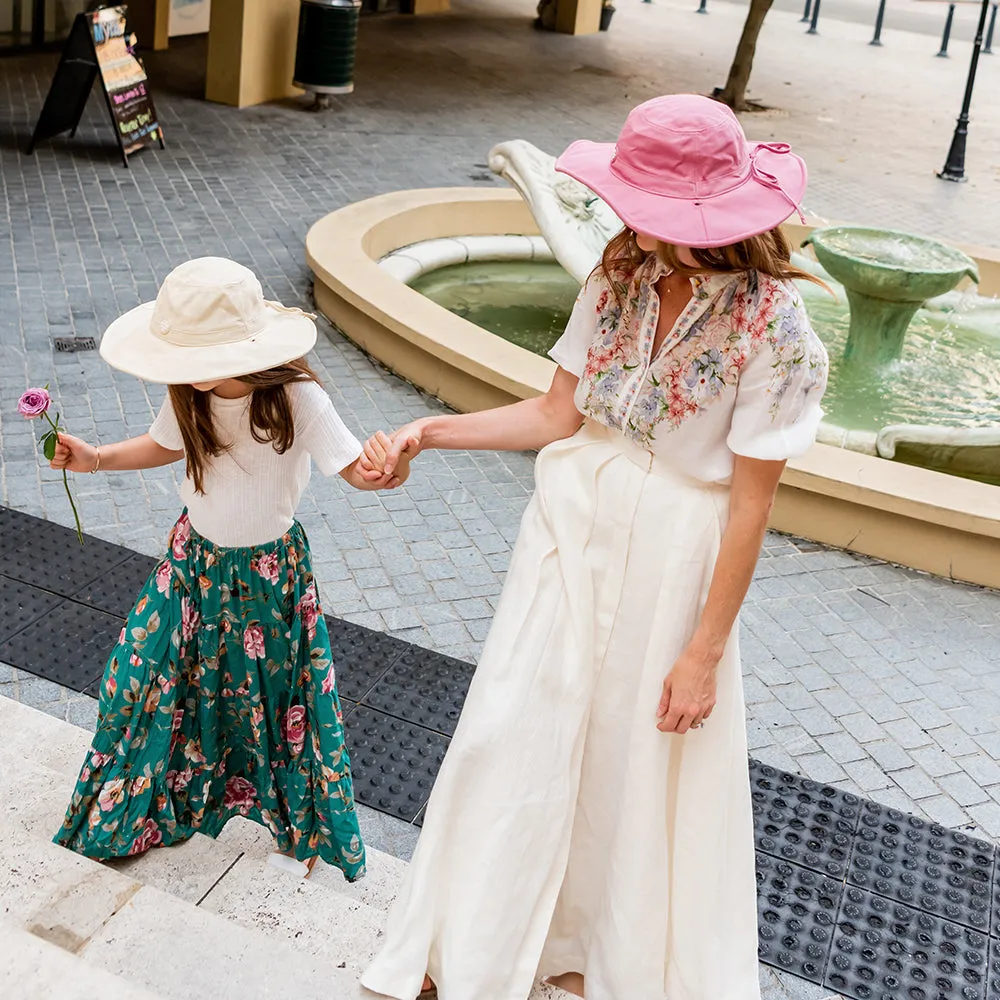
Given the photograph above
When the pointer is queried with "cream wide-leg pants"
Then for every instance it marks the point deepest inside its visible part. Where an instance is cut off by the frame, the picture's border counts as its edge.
(565, 833)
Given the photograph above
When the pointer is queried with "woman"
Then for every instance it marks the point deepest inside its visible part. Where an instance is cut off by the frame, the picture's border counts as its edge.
(585, 826)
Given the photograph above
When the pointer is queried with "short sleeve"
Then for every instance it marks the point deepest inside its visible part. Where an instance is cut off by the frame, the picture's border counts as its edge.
(778, 396)
(571, 349)
(321, 432)
(165, 430)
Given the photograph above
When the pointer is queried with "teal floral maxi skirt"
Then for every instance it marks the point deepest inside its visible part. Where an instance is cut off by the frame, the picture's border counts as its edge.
(218, 701)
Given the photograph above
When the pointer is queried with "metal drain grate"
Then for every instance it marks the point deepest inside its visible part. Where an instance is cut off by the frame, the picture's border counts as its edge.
(73, 345)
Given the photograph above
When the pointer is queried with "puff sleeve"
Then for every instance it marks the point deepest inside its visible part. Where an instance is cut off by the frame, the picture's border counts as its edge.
(778, 395)
(571, 349)
(323, 434)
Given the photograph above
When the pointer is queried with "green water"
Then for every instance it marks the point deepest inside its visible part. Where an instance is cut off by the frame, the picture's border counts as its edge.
(949, 373)
(525, 302)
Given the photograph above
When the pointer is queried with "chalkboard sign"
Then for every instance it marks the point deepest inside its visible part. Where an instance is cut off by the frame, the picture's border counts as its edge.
(100, 44)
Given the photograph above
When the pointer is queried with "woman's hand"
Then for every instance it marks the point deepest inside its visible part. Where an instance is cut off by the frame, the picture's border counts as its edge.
(392, 457)
(689, 691)
(74, 455)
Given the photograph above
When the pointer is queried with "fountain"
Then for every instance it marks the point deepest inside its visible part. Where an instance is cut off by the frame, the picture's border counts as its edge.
(888, 276)
(497, 291)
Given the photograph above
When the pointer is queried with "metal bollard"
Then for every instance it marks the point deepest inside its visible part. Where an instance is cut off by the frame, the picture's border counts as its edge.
(877, 40)
(943, 54)
(815, 19)
(703, 7)
(988, 47)
(805, 14)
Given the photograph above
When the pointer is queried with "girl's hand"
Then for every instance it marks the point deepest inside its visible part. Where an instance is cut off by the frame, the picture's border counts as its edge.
(689, 691)
(375, 451)
(408, 439)
(74, 455)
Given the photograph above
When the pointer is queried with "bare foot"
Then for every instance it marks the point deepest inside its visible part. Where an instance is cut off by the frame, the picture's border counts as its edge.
(571, 982)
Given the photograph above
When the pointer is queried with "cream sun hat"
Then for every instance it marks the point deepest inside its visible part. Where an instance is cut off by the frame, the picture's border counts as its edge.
(210, 321)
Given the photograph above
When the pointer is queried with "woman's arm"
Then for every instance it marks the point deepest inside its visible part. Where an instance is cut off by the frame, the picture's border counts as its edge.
(528, 425)
(140, 452)
(689, 690)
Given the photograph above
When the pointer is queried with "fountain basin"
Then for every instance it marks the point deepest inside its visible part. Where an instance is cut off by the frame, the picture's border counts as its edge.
(888, 275)
(860, 502)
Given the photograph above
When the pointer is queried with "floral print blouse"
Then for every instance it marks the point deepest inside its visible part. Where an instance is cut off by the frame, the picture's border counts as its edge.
(740, 373)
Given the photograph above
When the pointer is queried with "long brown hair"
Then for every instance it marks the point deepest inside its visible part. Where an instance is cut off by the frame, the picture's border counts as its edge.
(770, 253)
(270, 416)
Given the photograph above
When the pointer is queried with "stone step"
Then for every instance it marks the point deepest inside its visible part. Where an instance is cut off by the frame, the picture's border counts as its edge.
(53, 752)
(34, 969)
(207, 900)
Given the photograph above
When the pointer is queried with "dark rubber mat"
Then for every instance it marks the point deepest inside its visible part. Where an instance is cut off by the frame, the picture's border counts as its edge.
(70, 645)
(394, 763)
(797, 916)
(20, 605)
(360, 656)
(48, 556)
(115, 592)
(924, 865)
(885, 949)
(424, 688)
(802, 821)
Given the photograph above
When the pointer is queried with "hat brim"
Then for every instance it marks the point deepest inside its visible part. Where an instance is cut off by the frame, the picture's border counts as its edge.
(130, 345)
(717, 221)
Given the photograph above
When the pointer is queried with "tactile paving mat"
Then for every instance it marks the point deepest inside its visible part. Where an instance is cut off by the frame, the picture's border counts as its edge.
(860, 899)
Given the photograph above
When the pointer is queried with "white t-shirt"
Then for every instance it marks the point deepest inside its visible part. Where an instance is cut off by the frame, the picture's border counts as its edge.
(252, 492)
(741, 372)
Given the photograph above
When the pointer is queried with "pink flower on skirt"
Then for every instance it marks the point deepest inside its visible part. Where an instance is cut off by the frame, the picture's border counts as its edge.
(330, 681)
(163, 575)
(267, 567)
(177, 781)
(121, 638)
(180, 537)
(295, 728)
(253, 642)
(112, 793)
(149, 837)
(240, 794)
(190, 619)
(178, 719)
(308, 607)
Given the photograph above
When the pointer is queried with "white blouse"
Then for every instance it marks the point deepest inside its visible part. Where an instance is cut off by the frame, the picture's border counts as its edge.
(740, 373)
(252, 492)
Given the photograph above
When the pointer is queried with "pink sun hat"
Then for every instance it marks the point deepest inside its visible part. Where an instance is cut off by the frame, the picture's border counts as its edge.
(683, 172)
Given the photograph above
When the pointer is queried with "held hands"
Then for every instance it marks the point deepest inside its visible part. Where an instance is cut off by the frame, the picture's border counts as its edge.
(74, 455)
(392, 457)
(689, 691)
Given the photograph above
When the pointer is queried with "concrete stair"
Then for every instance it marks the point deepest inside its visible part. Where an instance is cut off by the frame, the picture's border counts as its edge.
(206, 920)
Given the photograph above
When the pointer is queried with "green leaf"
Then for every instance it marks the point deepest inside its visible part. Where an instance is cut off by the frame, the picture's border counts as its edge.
(49, 442)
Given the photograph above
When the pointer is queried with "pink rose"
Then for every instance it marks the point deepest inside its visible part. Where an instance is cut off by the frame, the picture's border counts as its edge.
(180, 537)
(240, 794)
(253, 642)
(110, 686)
(190, 619)
(295, 728)
(121, 638)
(178, 719)
(149, 837)
(308, 608)
(33, 403)
(99, 759)
(329, 682)
(163, 575)
(135, 660)
(267, 567)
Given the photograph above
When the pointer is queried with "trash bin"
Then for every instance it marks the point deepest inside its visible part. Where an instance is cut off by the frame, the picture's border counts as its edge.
(328, 37)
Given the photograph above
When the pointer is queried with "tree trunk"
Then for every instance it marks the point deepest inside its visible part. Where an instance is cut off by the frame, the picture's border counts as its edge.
(735, 91)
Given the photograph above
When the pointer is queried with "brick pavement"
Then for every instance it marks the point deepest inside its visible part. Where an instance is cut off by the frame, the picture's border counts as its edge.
(875, 678)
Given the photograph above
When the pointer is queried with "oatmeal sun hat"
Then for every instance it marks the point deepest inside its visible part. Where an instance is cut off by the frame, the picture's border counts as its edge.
(210, 321)
(683, 172)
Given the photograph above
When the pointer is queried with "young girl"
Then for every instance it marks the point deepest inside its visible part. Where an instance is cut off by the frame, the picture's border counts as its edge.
(219, 699)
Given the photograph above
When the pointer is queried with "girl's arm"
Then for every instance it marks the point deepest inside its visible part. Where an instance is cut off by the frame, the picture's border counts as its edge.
(528, 425)
(689, 690)
(140, 452)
